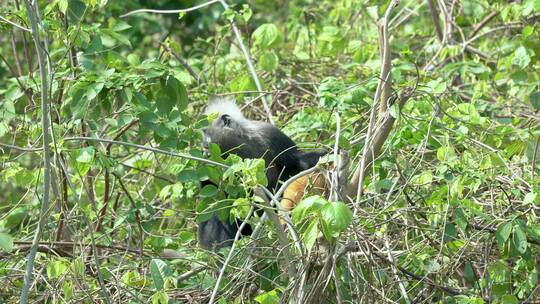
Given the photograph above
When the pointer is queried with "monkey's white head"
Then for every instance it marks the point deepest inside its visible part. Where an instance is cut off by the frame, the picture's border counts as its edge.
(224, 106)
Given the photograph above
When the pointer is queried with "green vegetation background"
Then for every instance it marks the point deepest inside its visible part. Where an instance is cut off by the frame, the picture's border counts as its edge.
(450, 211)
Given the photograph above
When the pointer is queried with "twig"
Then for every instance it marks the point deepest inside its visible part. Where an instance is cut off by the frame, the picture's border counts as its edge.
(335, 185)
(435, 18)
(251, 68)
(483, 23)
(15, 55)
(533, 164)
(177, 11)
(155, 150)
(491, 30)
(190, 273)
(28, 277)
(72, 244)
(183, 62)
(229, 256)
(393, 265)
(372, 147)
(16, 25)
(22, 149)
(137, 214)
(86, 221)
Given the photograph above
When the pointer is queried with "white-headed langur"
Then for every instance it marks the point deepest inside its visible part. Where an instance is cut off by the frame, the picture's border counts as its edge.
(236, 134)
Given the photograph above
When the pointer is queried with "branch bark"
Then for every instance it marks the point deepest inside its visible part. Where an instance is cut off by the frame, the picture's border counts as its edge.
(28, 277)
(380, 122)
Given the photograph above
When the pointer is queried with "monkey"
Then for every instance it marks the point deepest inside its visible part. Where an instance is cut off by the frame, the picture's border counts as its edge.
(236, 134)
(316, 182)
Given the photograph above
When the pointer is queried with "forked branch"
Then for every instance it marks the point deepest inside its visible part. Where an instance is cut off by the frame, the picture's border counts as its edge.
(380, 121)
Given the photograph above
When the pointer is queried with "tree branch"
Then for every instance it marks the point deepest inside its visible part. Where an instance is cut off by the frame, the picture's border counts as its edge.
(28, 275)
(376, 137)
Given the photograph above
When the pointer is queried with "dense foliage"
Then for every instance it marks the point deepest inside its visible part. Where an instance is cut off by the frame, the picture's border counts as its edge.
(450, 208)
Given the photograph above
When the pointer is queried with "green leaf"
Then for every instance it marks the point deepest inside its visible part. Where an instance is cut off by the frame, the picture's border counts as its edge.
(243, 82)
(246, 12)
(449, 232)
(336, 216)
(469, 273)
(160, 297)
(120, 26)
(520, 239)
(133, 278)
(437, 86)
(446, 154)
(528, 30)
(159, 271)
(503, 233)
(55, 269)
(123, 39)
(67, 288)
(187, 175)
(310, 234)
(268, 61)
(431, 265)
(509, 299)
(14, 218)
(173, 94)
(86, 155)
(521, 57)
(6, 242)
(305, 207)
(208, 191)
(266, 36)
(535, 100)
(76, 9)
(93, 90)
(270, 297)
(530, 198)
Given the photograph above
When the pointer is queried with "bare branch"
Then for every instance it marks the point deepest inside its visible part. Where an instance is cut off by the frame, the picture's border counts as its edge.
(28, 275)
(15, 24)
(375, 138)
(483, 23)
(155, 150)
(435, 17)
(177, 11)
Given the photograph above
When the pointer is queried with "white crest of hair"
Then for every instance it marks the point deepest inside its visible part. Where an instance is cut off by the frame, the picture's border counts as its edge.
(223, 106)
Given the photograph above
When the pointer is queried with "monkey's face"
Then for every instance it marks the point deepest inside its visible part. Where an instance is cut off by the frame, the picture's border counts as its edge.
(224, 130)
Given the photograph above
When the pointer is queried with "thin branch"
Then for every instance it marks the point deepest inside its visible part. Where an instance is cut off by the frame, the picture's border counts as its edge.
(435, 17)
(28, 275)
(86, 221)
(137, 214)
(62, 244)
(177, 11)
(335, 185)
(155, 150)
(250, 66)
(15, 25)
(183, 62)
(22, 149)
(229, 256)
(483, 23)
(382, 96)
(15, 54)
(533, 161)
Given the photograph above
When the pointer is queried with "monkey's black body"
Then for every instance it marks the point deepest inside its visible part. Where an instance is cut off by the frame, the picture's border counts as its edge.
(251, 139)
